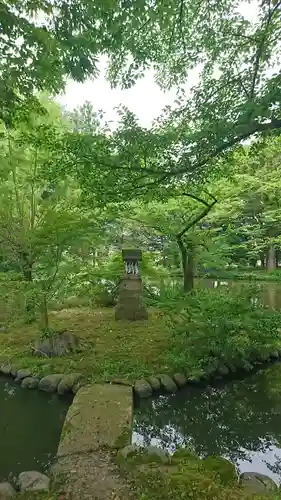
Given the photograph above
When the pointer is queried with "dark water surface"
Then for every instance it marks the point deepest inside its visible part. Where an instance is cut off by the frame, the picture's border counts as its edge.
(30, 427)
(240, 420)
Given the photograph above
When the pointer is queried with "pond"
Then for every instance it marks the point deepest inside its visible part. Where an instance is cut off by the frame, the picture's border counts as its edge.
(268, 292)
(240, 420)
(30, 427)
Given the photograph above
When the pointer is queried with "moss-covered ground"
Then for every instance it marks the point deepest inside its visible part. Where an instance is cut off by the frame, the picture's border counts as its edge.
(109, 349)
(187, 478)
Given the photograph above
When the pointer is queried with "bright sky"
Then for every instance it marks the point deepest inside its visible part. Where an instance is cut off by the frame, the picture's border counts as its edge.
(145, 99)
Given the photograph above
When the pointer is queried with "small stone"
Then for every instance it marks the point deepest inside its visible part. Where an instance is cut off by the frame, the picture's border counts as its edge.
(50, 382)
(21, 374)
(5, 369)
(3, 329)
(33, 481)
(257, 483)
(67, 383)
(142, 388)
(154, 382)
(30, 383)
(6, 491)
(155, 454)
(167, 383)
(180, 379)
(59, 344)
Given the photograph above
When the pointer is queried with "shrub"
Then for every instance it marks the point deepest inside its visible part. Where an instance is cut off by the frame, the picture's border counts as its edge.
(216, 327)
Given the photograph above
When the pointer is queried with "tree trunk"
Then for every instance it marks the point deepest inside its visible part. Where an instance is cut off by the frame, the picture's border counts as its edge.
(187, 260)
(270, 260)
(27, 265)
(277, 257)
(44, 315)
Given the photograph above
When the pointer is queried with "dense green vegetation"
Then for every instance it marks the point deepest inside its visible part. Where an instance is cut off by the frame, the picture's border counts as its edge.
(198, 191)
(188, 477)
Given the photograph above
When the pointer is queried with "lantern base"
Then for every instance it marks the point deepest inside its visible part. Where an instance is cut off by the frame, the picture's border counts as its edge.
(130, 305)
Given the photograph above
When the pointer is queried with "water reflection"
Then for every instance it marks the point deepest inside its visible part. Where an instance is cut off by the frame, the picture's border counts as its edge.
(240, 421)
(30, 427)
(269, 293)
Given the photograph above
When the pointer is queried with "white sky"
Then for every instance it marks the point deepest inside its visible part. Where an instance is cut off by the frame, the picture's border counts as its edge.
(145, 99)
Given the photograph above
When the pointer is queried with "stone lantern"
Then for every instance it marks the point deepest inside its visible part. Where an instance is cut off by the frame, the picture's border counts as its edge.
(130, 304)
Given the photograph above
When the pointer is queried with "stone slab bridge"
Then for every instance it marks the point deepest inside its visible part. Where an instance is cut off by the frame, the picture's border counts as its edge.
(98, 423)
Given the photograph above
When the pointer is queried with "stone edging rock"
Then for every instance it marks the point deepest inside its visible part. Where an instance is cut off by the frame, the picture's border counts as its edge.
(143, 387)
(57, 382)
(146, 387)
(26, 481)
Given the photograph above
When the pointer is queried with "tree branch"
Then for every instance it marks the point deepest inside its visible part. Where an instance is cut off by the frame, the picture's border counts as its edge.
(196, 198)
(260, 48)
(256, 127)
(196, 220)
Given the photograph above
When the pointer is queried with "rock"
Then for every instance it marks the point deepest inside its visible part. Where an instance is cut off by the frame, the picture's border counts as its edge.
(127, 452)
(196, 376)
(33, 481)
(257, 483)
(154, 383)
(80, 383)
(67, 383)
(167, 383)
(223, 468)
(100, 417)
(142, 388)
(6, 491)
(158, 455)
(180, 379)
(6, 369)
(30, 383)
(13, 371)
(21, 374)
(59, 344)
(50, 382)
(3, 329)
(151, 454)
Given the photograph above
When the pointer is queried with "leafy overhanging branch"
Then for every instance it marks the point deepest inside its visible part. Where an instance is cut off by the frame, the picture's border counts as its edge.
(197, 218)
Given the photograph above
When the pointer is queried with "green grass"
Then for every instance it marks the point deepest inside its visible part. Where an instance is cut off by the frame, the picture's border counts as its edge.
(110, 349)
(206, 332)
